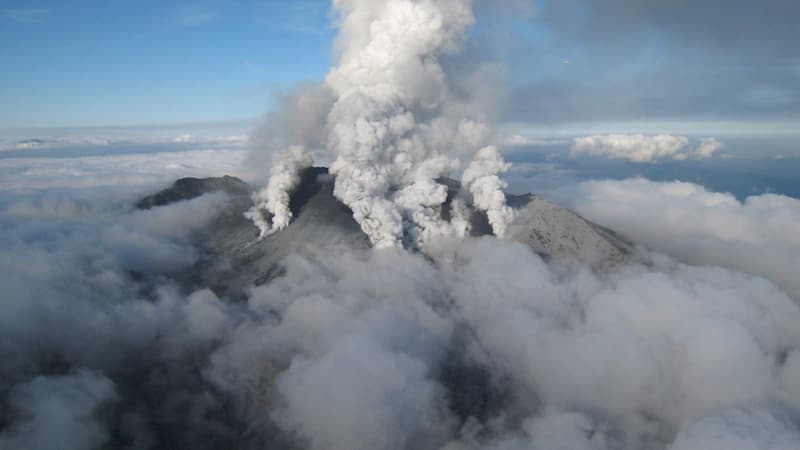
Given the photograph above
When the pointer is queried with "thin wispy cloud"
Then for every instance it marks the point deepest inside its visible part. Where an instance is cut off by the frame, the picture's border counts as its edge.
(641, 148)
(302, 17)
(26, 15)
(198, 18)
(303, 29)
(309, 7)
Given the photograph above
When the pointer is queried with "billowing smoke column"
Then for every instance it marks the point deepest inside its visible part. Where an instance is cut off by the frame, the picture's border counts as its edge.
(286, 168)
(487, 188)
(395, 128)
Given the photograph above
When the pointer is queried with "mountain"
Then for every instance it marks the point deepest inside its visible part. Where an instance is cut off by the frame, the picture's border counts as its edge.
(188, 188)
(234, 259)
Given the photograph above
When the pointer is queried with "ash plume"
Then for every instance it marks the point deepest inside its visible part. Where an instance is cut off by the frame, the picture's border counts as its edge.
(486, 188)
(286, 169)
(394, 126)
(140, 320)
(478, 343)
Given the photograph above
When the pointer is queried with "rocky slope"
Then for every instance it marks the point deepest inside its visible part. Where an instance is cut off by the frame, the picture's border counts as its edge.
(234, 259)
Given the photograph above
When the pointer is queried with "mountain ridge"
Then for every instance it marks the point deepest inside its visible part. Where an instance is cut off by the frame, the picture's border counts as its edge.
(233, 258)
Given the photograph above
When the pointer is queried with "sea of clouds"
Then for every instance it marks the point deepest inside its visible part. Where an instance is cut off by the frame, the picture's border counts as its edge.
(108, 338)
(478, 343)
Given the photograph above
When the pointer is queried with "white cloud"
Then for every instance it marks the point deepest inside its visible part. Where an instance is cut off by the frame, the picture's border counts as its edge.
(87, 142)
(546, 357)
(26, 15)
(43, 143)
(518, 140)
(739, 430)
(642, 148)
(112, 170)
(622, 357)
(708, 147)
(757, 236)
(587, 360)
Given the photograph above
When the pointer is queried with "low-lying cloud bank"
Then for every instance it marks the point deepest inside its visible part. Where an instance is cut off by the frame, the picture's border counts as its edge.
(643, 148)
(65, 142)
(479, 344)
(144, 172)
(758, 236)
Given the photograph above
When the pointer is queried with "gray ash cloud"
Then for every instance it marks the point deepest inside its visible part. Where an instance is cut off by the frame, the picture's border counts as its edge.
(478, 343)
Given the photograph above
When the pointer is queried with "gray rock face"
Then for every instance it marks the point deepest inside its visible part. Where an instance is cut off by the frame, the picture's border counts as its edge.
(556, 232)
(233, 259)
(189, 188)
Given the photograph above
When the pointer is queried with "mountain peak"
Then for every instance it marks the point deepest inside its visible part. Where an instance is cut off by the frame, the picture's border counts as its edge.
(234, 258)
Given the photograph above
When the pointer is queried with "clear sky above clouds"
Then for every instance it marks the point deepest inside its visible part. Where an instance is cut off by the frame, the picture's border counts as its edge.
(121, 62)
(733, 64)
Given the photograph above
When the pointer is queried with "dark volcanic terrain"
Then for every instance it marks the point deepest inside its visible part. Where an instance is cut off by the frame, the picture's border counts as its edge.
(234, 259)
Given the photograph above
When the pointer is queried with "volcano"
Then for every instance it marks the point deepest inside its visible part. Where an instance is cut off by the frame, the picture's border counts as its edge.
(233, 258)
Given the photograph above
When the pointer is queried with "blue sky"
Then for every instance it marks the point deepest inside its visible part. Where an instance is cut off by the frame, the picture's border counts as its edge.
(124, 62)
(630, 65)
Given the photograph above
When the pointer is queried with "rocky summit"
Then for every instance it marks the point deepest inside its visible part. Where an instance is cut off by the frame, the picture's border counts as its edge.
(233, 258)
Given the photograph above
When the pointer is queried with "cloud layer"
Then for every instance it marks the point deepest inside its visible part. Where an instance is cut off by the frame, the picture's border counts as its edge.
(756, 236)
(110, 339)
(634, 60)
(394, 118)
(477, 344)
(642, 148)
